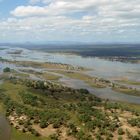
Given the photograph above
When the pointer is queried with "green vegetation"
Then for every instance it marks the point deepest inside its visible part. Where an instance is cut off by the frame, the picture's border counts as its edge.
(44, 110)
(2, 59)
(126, 90)
(44, 75)
(92, 81)
(7, 69)
(120, 131)
(129, 82)
(48, 65)
(19, 135)
(134, 122)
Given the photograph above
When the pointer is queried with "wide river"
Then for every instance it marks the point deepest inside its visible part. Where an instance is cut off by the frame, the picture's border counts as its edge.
(99, 67)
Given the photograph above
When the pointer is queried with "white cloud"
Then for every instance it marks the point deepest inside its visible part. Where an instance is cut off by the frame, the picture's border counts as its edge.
(34, 1)
(100, 7)
(74, 18)
(23, 11)
(39, 1)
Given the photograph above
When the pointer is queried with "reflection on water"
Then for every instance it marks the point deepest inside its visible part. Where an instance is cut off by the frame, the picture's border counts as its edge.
(100, 68)
(105, 93)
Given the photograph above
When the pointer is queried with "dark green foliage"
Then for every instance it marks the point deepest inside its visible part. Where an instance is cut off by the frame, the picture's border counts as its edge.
(120, 131)
(34, 132)
(43, 123)
(134, 122)
(84, 91)
(7, 69)
(99, 137)
(136, 137)
(111, 105)
(72, 129)
(83, 136)
(30, 99)
(54, 137)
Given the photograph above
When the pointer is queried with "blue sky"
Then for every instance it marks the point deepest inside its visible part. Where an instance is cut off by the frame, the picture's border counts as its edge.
(7, 5)
(70, 20)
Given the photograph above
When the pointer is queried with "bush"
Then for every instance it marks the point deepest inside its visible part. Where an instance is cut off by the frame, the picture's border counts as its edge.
(134, 122)
(6, 69)
(57, 124)
(136, 137)
(43, 124)
(34, 132)
(54, 137)
(84, 91)
(21, 122)
(98, 137)
(120, 131)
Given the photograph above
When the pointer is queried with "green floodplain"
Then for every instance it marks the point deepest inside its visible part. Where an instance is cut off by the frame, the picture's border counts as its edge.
(47, 110)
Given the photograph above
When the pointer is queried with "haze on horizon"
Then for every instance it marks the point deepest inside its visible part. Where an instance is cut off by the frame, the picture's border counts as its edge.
(70, 20)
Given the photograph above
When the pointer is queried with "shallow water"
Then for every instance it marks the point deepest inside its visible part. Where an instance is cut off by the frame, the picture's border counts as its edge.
(100, 68)
(105, 93)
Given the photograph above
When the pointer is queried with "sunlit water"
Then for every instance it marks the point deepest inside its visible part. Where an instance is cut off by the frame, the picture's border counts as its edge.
(100, 68)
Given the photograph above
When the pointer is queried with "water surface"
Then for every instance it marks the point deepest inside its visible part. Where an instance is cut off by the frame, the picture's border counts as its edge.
(99, 68)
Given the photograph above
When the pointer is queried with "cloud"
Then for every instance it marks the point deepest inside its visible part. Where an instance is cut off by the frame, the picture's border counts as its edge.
(39, 1)
(104, 8)
(23, 11)
(66, 19)
(34, 1)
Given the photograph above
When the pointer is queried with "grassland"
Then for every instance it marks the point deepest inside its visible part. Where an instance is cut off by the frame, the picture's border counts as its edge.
(81, 76)
(129, 82)
(47, 65)
(44, 75)
(43, 111)
(128, 91)
(18, 135)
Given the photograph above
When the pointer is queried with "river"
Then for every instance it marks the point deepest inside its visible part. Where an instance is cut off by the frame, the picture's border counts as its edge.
(98, 67)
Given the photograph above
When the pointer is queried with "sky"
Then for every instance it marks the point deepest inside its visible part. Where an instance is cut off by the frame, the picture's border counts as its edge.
(70, 20)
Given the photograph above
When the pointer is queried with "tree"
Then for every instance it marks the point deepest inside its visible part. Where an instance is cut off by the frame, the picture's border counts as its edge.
(7, 69)
(43, 124)
(120, 131)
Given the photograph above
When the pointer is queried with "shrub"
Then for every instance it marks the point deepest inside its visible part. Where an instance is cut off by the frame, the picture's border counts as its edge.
(54, 137)
(21, 122)
(34, 132)
(43, 124)
(136, 137)
(6, 69)
(120, 131)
